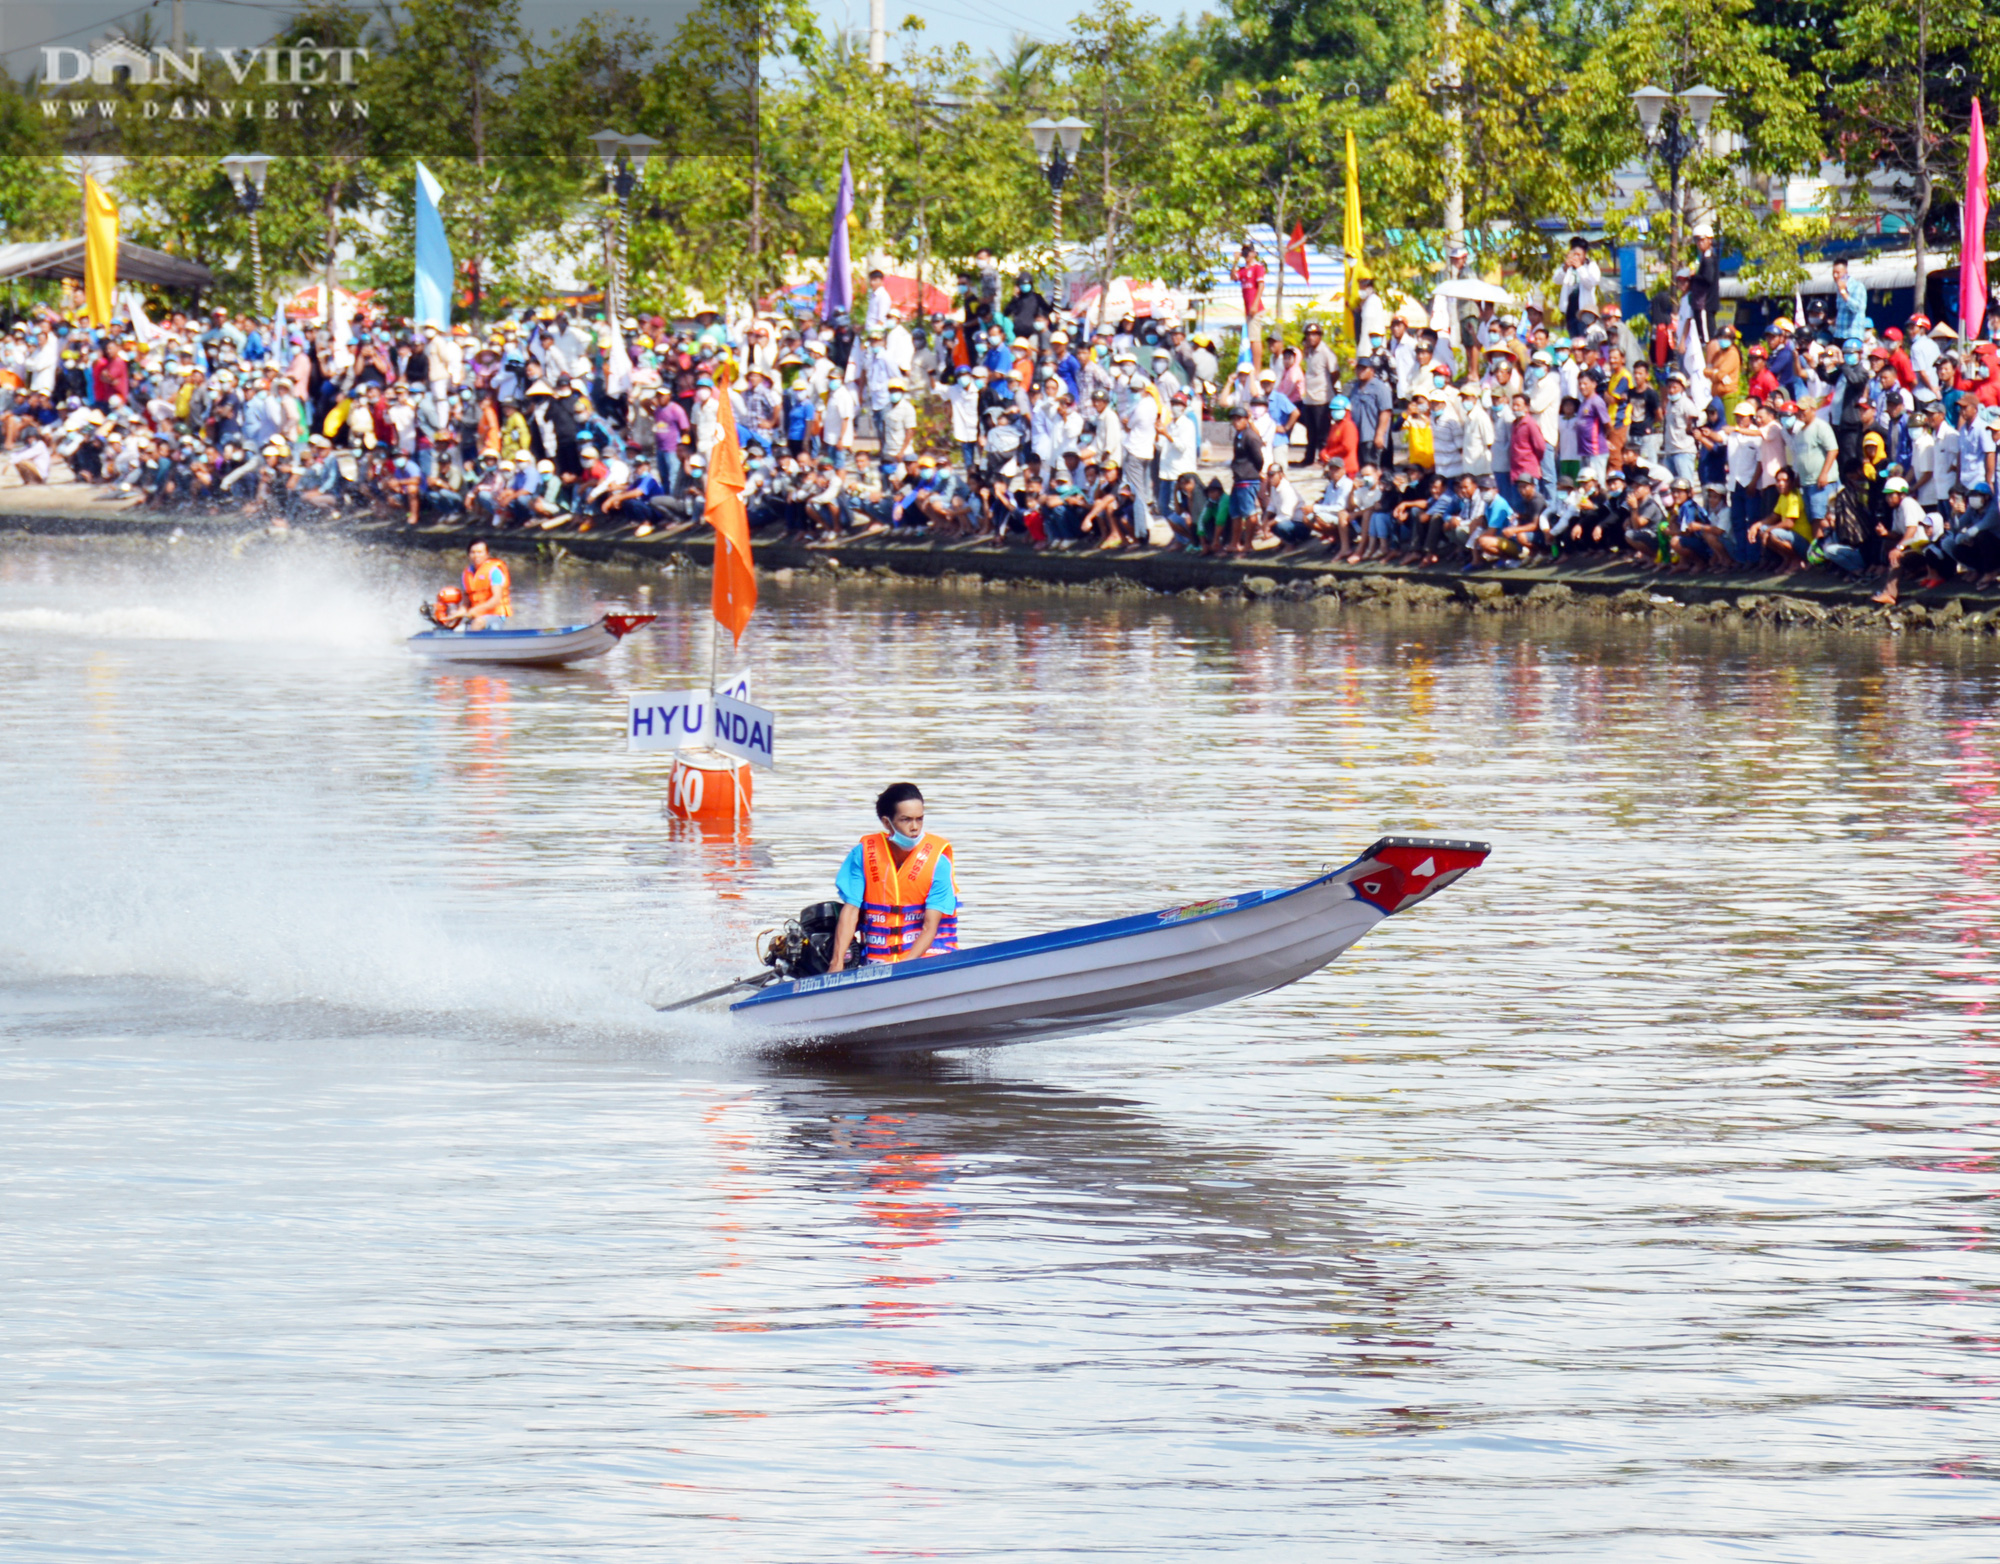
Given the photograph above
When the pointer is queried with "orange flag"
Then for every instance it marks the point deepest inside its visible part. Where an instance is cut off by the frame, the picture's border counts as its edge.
(722, 503)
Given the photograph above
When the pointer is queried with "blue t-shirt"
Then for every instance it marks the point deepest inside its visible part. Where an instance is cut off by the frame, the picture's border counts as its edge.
(851, 884)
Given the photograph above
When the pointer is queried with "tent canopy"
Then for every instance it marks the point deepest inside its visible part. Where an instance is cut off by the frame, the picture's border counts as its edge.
(136, 264)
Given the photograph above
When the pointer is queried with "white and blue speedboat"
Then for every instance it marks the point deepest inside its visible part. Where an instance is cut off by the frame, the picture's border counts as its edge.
(1104, 975)
(544, 647)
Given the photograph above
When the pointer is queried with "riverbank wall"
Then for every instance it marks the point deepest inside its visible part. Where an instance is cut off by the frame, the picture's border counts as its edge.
(1810, 600)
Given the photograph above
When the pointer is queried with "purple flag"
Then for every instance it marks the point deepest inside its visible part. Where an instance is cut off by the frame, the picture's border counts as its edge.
(839, 270)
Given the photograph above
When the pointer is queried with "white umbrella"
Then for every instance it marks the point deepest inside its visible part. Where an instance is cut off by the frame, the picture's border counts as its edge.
(1477, 291)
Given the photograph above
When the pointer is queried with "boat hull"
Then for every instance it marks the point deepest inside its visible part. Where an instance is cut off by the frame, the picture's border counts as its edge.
(528, 648)
(1120, 973)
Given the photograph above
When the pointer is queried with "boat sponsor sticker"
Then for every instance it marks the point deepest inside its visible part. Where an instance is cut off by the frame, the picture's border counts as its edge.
(867, 974)
(1197, 909)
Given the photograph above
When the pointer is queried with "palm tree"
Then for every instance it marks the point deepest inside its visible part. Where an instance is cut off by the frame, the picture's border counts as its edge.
(1015, 78)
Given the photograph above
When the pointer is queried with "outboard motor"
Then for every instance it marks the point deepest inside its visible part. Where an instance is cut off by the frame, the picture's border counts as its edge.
(804, 946)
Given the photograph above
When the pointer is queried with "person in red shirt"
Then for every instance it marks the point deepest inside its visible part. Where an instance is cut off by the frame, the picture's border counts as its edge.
(1248, 272)
(1763, 384)
(1343, 440)
(1899, 356)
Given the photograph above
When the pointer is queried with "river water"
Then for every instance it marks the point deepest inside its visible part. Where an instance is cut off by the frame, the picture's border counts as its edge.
(1629, 1200)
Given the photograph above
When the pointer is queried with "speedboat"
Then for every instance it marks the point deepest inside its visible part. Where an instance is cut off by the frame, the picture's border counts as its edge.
(1103, 975)
(560, 644)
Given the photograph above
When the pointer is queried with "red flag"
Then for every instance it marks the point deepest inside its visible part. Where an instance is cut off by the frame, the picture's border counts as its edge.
(1972, 230)
(1295, 251)
(722, 504)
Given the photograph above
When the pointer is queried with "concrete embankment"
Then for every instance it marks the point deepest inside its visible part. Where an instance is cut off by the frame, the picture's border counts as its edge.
(1813, 600)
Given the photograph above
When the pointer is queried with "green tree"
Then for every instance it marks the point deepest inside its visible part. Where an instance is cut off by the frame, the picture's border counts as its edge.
(1762, 130)
(1517, 127)
(1140, 182)
(1369, 42)
(1900, 74)
(39, 198)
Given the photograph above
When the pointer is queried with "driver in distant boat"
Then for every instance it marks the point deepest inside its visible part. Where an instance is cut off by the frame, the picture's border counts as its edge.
(898, 885)
(486, 596)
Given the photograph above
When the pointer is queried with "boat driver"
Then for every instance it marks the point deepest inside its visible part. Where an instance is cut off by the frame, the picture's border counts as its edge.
(899, 886)
(488, 592)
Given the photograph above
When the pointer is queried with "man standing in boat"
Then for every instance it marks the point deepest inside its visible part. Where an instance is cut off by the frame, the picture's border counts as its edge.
(898, 886)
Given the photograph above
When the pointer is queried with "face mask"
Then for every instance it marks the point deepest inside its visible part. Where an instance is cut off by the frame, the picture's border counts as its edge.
(902, 841)
(1792, 424)
(1854, 358)
(1535, 373)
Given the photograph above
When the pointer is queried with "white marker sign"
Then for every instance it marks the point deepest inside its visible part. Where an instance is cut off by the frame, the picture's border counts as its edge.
(679, 720)
(745, 730)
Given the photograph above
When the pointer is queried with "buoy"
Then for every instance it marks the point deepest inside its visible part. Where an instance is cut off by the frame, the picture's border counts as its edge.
(707, 785)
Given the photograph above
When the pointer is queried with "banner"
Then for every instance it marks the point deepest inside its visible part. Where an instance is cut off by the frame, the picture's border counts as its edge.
(433, 288)
(100, 251)
(746, 731)
(678, 719)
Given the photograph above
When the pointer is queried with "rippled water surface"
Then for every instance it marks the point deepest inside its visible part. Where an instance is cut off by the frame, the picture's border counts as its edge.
(1628, 1201)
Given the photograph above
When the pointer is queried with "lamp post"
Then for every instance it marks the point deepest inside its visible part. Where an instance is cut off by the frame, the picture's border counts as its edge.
(624, 156)
(247, 173)
(1056, 144)
(1676, 127)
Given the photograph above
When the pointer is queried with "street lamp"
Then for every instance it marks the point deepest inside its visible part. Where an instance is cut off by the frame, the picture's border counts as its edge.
(247, 173)
(624, 156)
(1675, 127)
(1056, 144)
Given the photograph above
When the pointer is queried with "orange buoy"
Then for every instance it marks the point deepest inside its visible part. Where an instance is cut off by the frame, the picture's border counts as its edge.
(706, 785)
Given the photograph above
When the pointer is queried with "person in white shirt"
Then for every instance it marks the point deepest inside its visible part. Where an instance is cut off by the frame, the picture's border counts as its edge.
(1545, 395)
(1045, 423)
(1448, 433)
(1975, 444)
(43, 357)
(1923, 451)
(1284, 506)
(1141, 419)
(880, 305)
(899, 427)
(1924, 354)
(1476, 413)
(836, 430)
(1576, 289)
(1180, 446)
(1374, 315)
(900, 346)
(1110, 433)
(963, 398)
(820, 377)
(1743, 444)
(871, 371)
(1401, 352)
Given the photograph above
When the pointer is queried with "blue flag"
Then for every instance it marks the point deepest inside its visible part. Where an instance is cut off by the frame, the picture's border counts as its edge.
(839, 269)
(433, 255)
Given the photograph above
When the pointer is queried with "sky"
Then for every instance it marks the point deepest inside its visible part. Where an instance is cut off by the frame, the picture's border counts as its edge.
(983, 25)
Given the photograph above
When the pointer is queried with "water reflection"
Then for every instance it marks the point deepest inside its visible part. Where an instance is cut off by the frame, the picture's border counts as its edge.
(1634, 1200)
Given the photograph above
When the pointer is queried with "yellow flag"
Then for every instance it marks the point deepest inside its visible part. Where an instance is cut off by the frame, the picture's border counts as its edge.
(1350, 228)
(100, 252)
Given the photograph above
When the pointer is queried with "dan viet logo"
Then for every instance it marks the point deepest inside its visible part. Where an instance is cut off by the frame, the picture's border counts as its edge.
(197, 83)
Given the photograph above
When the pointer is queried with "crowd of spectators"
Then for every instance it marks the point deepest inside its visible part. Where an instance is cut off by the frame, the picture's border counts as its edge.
(1464, 435)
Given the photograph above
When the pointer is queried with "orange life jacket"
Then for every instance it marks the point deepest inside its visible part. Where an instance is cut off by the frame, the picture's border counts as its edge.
(892, 899)
(486, 590)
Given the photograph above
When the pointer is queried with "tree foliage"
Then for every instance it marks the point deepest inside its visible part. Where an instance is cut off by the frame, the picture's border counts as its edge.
(1197, 132)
